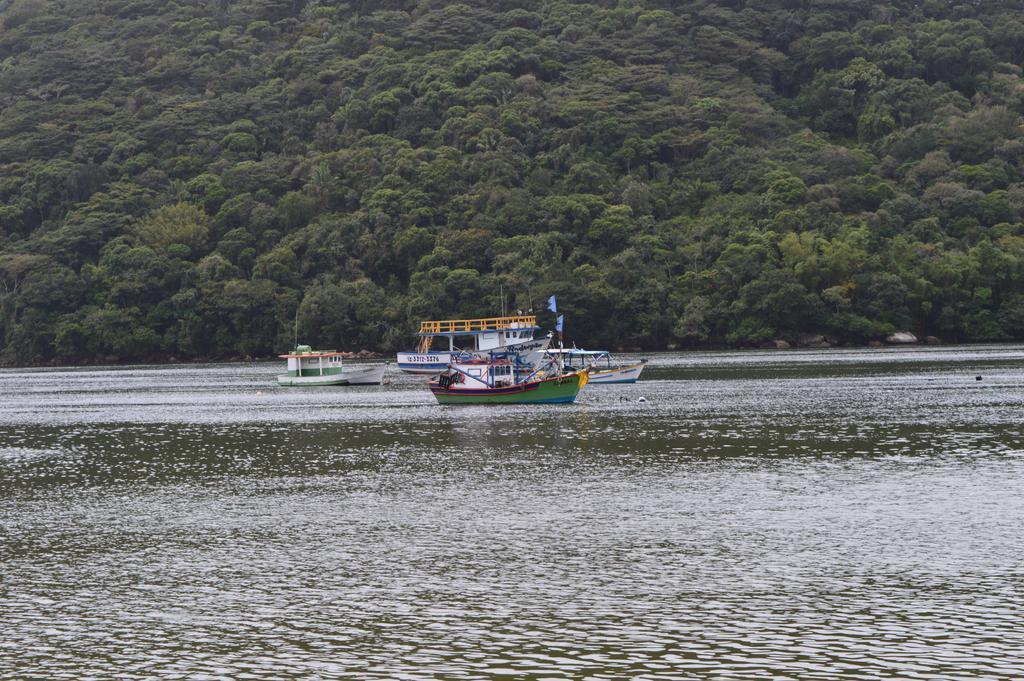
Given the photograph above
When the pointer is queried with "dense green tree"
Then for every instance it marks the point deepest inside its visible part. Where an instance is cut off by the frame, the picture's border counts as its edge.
(179, 223)
(181, 178)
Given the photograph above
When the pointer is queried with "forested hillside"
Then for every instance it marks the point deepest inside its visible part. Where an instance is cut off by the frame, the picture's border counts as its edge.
(176, 177)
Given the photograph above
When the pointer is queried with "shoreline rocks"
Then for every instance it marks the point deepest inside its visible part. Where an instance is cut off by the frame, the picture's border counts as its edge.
(901, 338)
(808, 340)
(362, 354)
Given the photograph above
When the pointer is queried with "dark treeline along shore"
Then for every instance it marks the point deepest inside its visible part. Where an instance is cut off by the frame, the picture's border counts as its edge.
(177, 177)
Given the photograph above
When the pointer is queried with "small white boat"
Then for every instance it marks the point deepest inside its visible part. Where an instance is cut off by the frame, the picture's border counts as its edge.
(308, 367)
(602, 368)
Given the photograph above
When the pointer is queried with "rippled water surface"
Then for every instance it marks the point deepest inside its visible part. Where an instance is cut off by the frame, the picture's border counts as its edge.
(801, 514)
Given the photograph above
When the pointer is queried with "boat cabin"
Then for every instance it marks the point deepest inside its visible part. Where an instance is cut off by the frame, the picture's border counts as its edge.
(305, 361)
(482, 334)
(573, 358)
(483, 374)
(599, 363)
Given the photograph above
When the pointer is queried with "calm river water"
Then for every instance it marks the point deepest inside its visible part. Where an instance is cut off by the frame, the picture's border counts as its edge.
(801, 514)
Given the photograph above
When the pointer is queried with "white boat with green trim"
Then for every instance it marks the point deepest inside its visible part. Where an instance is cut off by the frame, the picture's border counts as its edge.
(309, 367)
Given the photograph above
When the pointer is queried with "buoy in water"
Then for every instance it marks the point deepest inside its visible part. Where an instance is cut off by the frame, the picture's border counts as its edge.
(259, 393)
(977, 378)
(642, 399)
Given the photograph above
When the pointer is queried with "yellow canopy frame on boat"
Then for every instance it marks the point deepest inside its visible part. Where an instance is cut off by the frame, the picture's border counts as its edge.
(429, 329)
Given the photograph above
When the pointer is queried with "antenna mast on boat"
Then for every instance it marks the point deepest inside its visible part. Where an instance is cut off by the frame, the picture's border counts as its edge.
(295, 335)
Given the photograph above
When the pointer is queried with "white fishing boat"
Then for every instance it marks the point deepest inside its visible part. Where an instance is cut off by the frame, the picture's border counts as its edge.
(470, 337)
(308, 367)
(603, 368)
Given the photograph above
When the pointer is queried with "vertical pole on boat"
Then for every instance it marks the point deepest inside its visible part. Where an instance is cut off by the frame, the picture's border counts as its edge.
(321, 359)
(553, 306)
(559, 324)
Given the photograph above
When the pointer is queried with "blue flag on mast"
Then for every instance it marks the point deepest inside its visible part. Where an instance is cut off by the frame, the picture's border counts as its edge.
(552, 304)
(558, 323)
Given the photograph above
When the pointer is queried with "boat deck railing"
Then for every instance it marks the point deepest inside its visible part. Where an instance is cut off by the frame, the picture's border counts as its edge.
(450, 326)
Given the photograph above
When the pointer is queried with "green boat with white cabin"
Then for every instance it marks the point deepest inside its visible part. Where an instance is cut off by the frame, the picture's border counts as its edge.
(506, 380)
(308, 367)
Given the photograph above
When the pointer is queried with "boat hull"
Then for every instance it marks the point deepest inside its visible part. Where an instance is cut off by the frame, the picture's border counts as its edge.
(625, 374)
(558, 390)
(350, 375)
(424, 363)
